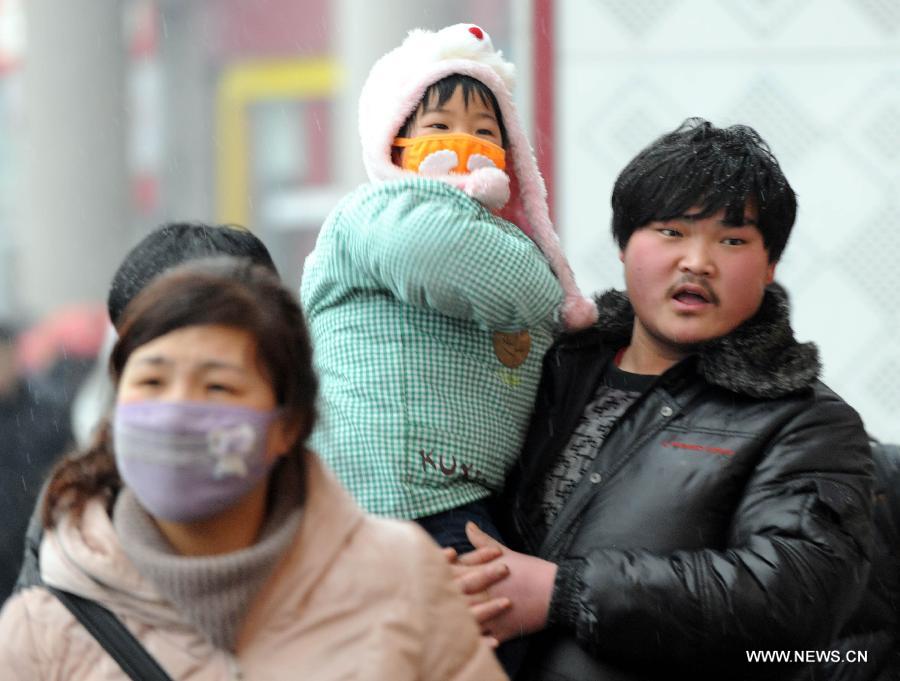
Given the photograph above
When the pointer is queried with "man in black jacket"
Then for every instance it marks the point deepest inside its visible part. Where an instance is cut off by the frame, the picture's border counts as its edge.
(874, 627)
(34, 432)
(693, 499)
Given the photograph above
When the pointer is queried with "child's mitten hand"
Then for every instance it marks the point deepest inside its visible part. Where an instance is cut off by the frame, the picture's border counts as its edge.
(489, 186)
(578, 312)
(439, 163)
(484, 182)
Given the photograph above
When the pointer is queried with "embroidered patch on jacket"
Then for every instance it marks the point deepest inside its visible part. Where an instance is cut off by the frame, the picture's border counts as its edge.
(512, 348)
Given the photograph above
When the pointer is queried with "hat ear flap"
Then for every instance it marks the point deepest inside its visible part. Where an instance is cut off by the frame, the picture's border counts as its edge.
(514, 210)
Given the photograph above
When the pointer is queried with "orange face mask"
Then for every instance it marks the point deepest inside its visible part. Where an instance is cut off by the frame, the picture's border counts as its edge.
(451, 153)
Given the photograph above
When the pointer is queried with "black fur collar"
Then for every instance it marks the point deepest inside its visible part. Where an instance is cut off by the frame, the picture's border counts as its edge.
(760, 358)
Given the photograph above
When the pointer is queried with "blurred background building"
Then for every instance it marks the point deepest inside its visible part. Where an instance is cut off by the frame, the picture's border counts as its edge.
(116, 116)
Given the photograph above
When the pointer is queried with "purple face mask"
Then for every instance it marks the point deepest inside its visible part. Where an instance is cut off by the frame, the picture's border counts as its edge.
(188, 461)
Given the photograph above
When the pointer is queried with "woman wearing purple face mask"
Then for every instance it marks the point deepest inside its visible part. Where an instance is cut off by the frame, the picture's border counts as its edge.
(203, 524)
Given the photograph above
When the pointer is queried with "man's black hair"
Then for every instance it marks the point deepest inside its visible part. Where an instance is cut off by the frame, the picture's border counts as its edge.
(176, 243)
(700, 166)
(443, 90)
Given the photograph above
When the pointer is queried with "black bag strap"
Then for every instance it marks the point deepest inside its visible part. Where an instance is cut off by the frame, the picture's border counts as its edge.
(115, 638)
(104, 626)
(30, 571)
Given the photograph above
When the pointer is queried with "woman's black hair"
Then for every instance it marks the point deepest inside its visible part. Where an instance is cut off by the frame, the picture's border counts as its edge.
(699, 166)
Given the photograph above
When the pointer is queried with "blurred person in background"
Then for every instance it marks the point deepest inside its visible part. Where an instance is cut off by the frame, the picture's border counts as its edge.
(34, 431)
(874, 627)
(58, 352)
(205, 525)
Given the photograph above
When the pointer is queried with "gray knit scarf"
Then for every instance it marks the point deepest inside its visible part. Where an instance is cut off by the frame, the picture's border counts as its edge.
(212, 592)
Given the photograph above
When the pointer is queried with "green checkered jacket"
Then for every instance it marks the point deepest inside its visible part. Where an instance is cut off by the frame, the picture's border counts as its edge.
(407, 285)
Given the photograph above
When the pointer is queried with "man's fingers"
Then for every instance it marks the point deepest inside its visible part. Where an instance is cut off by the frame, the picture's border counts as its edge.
(477, 598)
(485, 612)
(478, 538)
(479, 579)
(491, 641)
(480, 556)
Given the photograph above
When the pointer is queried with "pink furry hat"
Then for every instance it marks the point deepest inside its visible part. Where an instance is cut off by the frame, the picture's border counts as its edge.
(393, 90)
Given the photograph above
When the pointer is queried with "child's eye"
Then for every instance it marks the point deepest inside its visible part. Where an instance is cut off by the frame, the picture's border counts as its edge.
(668, 231)
(149, 382)
(733, 241)
(438, 126)
(485, 131)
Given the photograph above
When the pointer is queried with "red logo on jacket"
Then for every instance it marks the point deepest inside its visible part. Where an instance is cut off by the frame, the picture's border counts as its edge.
(698, 448)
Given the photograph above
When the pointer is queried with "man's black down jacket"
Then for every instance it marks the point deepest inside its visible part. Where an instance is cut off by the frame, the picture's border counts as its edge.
(728, 511)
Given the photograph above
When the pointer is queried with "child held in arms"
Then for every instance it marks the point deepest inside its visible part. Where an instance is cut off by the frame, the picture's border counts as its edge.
(434, 291)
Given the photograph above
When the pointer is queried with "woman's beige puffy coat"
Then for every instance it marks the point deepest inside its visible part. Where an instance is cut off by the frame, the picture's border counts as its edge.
(354, 597)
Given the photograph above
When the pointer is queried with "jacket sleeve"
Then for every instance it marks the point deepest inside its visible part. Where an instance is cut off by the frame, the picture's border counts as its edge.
(431, 246)
(453, 648)
(795, 564)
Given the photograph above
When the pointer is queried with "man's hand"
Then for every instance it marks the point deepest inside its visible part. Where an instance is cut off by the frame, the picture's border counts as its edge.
(474, 573)
(492, 574)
